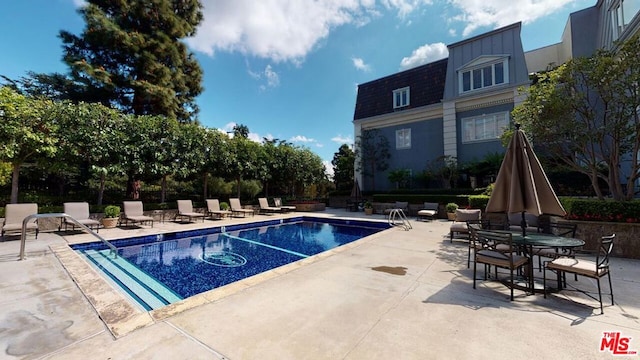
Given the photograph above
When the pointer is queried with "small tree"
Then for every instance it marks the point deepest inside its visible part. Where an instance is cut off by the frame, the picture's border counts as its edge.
(343, 167)
(586, 114)
(372, 154)
(27, 129)
(445, 168)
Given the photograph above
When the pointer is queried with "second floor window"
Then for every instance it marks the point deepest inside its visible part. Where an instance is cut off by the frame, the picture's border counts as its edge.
(400, 98)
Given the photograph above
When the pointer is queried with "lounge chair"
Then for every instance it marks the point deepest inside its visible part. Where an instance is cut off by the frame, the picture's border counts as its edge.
(134, 212)
(80, 212)
(277, 202)
(14, 214)
(185, 210)
(429, 211)
(236, 208)
(266, 209)
(213, 209)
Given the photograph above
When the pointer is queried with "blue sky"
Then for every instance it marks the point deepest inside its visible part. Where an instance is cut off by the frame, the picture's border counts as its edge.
(289, 69)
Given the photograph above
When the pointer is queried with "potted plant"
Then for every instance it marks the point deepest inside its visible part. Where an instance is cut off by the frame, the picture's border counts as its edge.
(111, 216)
(451, 210)
(224, 206)
(368, 208)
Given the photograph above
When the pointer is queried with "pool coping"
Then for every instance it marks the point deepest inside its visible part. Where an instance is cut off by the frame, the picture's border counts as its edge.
(121, 317)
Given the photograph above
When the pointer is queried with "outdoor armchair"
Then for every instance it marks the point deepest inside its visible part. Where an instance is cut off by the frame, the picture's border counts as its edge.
(497, 249)
(459, 225)
(589, 267)
(14, 214)
(133, 211)
(185, 210)
(80, 212)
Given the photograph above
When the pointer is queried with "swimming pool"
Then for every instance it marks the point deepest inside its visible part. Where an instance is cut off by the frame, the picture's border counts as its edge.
(158, 270)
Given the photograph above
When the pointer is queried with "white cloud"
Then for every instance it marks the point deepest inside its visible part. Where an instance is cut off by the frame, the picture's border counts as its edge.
(271, 78)
(302, 138)
(425, 54)
(497, 13)
(340, 139)
(404, 7)
(360, 64)
(228, 129)
(283, 30)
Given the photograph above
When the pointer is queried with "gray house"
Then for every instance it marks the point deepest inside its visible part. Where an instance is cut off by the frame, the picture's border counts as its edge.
(458, 107)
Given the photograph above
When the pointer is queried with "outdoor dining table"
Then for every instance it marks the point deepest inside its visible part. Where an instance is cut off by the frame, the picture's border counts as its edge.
(529, 240)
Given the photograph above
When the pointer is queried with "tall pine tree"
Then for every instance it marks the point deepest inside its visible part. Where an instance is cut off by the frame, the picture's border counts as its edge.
(131, 54)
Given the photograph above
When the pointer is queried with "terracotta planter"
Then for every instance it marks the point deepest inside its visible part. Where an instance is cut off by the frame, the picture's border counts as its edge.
(109, 223)
(451, 216)
(368, 211)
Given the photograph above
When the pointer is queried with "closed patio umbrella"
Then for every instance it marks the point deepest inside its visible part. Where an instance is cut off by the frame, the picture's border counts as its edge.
(522, 185)
(356, 194)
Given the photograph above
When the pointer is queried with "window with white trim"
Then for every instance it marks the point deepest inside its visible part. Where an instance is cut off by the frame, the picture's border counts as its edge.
(403, 139)
(400, 98)
(484, 127)
(484, 75)
(622, 11)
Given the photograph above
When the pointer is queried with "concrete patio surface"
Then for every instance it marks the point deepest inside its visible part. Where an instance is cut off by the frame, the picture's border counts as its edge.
(394, 295)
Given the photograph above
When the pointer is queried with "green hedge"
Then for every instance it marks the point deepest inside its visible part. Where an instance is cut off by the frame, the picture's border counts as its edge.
(601, 210)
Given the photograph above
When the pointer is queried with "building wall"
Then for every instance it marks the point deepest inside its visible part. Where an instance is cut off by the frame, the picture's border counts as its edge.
(426, 145)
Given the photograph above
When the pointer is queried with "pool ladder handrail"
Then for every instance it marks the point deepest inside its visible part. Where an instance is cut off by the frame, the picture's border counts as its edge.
(398, 214)
(23, 238)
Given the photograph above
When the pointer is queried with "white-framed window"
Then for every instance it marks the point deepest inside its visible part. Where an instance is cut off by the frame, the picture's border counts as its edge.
(622, 11)
(401, 97)
(486, 74)
(403, 139)
(484, 127)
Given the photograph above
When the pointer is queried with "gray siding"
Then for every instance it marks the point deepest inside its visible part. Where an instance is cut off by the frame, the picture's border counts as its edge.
(504, 41)
(426, 145)
(584, 31)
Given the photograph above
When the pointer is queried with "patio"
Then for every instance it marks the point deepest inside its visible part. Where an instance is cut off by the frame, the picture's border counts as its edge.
(331, 306)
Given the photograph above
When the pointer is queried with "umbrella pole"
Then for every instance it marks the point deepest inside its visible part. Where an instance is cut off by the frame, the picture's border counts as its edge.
(523, 224)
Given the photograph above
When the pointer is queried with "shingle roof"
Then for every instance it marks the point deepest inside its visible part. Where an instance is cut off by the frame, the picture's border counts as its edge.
(426, 83)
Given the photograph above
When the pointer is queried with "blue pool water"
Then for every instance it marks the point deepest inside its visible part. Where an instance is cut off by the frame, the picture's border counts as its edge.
(160, 269)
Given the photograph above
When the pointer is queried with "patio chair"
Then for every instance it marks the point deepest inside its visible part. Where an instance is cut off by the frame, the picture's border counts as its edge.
(265, 208)
(14, 214)
(213, 209)
(561, 229)
(459, 225)
(429, 211)
(497, 249)
(515, 222)
(473, 226)
(236, 208)
(277, 202)
(589, 267)
(133, 211)
(185, 210)
(80, 212)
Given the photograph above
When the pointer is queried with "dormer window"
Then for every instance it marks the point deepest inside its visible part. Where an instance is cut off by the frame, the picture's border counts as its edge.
(483, 72)
(401, 97)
